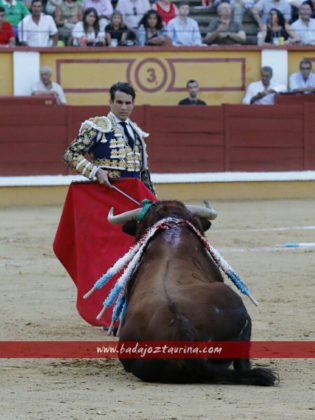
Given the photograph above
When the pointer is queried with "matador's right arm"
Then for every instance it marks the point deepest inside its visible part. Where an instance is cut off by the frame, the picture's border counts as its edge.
(75, 155)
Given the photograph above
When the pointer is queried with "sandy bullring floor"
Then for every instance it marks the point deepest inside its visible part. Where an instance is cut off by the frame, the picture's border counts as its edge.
(37, 302)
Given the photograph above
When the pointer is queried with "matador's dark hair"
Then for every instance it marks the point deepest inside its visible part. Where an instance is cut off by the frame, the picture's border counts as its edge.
(122, 87)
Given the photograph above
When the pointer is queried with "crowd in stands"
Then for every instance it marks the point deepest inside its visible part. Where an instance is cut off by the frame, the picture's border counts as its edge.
(44, 23)
(263, 91)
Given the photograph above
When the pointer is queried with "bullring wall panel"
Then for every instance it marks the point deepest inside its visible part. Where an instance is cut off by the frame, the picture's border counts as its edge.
(182, 139)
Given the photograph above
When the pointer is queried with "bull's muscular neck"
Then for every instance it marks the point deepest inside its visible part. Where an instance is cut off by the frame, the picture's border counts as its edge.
(177, 243)
(174, 237)
(173, 256)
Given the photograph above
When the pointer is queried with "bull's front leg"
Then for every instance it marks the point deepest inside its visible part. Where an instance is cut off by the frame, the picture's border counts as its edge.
(245, 334)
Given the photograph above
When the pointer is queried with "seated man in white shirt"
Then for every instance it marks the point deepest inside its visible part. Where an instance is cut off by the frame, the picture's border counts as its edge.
(36, 29)
(304, 80)
(305, 25)
(46, 87)
(263, 91)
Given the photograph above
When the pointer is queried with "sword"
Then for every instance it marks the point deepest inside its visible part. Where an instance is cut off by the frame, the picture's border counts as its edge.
(126, 195)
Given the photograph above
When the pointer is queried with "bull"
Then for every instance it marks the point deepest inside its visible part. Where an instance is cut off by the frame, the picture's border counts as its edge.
(177, 293)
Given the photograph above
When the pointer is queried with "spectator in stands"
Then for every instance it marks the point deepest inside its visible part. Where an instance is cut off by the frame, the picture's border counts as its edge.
(46, 87)
(87, 32)
(305, 25)
(182, 29)
(51, 6)
(133, 11)
(312, 4)
(37, 29)
(238, 7)
(28, 3)
(166, 9)
(156, 33)
(15, 11)
(304, 80)
(295, 5)
(263, 91)
(193, 89)
(223, 30)
(103, 8)
(277, 31)
(66, 16)
(116, 31)
(7, 37)
(263, 7)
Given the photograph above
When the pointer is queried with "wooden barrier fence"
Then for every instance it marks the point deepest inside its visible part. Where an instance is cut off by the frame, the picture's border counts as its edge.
(34, 135)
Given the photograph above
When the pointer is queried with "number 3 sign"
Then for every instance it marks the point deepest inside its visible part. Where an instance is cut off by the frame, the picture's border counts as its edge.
(150, 75)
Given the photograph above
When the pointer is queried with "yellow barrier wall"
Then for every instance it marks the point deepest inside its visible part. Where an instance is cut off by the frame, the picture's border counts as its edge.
(159, 75)
(277, 190)
(6, 73)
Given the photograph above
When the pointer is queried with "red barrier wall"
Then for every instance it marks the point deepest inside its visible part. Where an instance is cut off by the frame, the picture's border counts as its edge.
(183, 139)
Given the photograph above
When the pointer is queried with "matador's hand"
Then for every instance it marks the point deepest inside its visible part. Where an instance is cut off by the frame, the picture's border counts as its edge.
(102, 177)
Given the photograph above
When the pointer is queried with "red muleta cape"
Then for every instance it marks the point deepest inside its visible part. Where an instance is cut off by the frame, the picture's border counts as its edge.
(88, 245)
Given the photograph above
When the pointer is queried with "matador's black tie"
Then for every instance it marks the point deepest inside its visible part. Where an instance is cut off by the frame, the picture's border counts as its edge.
(128, 135)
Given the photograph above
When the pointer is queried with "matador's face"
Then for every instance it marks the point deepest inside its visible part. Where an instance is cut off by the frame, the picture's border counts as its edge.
(122, 105)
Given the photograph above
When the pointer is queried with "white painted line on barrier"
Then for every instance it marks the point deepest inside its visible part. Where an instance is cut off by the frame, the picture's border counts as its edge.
(39, 180)
(196, 177)
(234, 177)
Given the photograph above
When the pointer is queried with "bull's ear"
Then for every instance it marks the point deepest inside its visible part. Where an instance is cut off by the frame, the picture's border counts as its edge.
(130, 227)
(205, 223)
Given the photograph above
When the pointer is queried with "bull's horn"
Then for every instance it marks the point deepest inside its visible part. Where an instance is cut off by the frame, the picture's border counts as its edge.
(206, 212)
(122, 218)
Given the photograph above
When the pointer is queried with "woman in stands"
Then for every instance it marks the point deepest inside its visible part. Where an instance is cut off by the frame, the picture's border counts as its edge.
(87, 32)
(156, 33)
(66, 16)
(166, 9)
(278, 32)
(116, 31)
(6, 31)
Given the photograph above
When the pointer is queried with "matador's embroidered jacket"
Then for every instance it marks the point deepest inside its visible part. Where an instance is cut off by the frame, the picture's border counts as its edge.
(102, 140)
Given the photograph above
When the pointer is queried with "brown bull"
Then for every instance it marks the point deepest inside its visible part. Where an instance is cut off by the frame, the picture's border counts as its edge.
(177, 294)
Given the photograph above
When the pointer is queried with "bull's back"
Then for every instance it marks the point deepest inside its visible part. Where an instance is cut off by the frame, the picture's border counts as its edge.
(177, 282)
